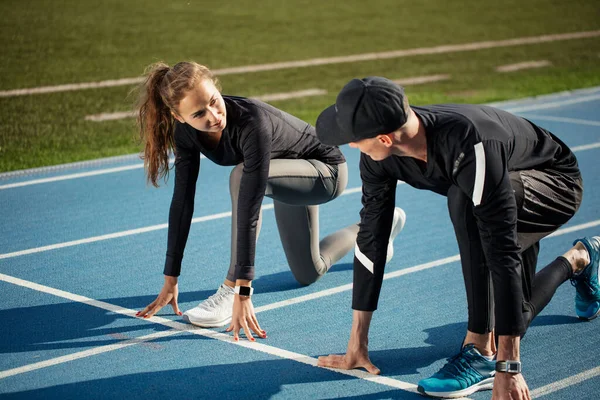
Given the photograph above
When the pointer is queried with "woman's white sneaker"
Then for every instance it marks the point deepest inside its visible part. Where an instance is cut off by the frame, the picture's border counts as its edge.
(213, 312)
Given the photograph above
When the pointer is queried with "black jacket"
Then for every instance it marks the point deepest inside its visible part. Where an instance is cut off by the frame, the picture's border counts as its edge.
(473, 148)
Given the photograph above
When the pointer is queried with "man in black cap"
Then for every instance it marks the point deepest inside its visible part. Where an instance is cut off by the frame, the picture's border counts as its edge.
(509, 183)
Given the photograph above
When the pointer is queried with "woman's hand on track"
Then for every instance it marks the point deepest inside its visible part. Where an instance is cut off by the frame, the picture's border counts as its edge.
(244, 318)
(168, 295)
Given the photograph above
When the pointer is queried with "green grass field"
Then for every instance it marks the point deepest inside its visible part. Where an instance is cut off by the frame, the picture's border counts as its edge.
(62, 42)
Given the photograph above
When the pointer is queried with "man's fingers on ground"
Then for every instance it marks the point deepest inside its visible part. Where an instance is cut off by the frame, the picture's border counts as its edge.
(372, 369)
(332, 361)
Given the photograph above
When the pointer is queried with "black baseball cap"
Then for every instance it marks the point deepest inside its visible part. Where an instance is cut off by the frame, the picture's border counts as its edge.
(363, 109)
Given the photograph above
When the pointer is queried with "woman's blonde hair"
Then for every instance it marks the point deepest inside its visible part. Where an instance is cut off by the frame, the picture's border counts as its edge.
(157, 99)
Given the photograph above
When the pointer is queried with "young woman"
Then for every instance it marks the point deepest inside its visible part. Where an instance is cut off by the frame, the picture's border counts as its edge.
(275, 154)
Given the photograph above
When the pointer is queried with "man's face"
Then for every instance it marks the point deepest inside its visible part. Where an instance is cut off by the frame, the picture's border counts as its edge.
(374, 147)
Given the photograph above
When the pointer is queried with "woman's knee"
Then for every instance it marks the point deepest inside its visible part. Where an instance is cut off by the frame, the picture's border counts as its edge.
(306, 278)
(307, 273)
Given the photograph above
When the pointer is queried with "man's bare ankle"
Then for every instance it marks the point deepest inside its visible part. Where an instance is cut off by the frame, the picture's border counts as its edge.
(484, 343)
(578, 257)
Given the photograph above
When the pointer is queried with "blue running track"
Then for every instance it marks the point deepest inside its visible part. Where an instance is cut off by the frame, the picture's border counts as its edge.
(82, 249)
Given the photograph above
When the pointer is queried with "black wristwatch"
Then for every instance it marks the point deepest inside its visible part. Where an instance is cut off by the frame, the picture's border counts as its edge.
(509, 366)
(245, 291)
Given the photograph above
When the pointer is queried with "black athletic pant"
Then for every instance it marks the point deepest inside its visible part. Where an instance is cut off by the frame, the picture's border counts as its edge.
(545, 201)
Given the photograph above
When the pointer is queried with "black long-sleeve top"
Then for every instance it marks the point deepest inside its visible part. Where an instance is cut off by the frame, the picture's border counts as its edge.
(255, 133)
(474, 148)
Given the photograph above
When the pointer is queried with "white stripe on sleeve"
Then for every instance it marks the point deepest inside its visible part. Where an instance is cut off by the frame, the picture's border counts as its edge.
(364, 260)
(479, 173)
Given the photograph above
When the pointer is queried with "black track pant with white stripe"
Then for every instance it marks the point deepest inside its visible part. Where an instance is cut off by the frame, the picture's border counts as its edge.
(297, 187)
(545, 201)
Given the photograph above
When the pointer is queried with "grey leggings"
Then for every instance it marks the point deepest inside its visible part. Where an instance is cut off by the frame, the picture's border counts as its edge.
(297, 187)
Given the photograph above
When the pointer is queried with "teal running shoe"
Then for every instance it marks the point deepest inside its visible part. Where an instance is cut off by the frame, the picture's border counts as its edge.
(587, 299)
(464, 374)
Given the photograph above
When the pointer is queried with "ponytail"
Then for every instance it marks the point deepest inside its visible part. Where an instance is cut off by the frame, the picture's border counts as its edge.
(155, 123)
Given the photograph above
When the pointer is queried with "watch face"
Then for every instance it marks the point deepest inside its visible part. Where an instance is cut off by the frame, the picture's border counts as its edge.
(244, 291)
(513, 367)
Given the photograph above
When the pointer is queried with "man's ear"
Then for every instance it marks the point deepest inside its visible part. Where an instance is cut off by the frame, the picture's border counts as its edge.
(386, 140)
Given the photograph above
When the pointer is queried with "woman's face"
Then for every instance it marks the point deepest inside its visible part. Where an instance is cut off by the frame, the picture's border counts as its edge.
(203, 108)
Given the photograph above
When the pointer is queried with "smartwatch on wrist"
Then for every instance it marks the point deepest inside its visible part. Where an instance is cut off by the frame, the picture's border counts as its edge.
(245, 291)
(509, 366)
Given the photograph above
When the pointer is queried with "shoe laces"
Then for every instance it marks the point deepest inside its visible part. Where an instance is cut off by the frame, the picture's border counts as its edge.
(584, 285)
(459, 367)
(215, 300)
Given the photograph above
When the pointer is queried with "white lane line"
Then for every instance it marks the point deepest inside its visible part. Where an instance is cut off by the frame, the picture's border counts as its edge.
(77, 165)
(553, 104)
(268, 97)
(586, 147)
(137, 231)
(545, 97)
(292, 95)
(523, 65)
(177, 328)
(110, 116)
(79, 175)
(324, 61)
(114, 235)
(86, 353)
(575, 228)
(565, 383)
(419, 80)
(71, 176)
(564, 119)
(71, 86)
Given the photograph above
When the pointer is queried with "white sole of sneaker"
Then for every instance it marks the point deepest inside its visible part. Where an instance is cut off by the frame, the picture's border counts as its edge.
(589, 318)
(216, 324)
(397, 226)
(486, 384)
